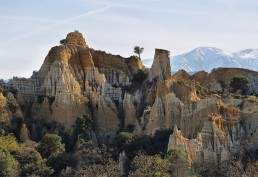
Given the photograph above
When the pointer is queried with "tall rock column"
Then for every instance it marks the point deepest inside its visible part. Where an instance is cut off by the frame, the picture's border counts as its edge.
(160, 68)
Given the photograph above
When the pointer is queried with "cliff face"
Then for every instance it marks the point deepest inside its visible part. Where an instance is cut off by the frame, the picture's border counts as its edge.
(160, 68)
(213, 144)
(218, 76)
(9, 109)
(76, 80)
(118, 92)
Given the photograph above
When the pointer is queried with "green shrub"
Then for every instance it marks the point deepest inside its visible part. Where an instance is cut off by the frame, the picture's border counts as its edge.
(252, 98)
(82, 123)
(122, 139)
(239, 82)
(62, 161)
(31, 163)
(51, 144)
(8, 165)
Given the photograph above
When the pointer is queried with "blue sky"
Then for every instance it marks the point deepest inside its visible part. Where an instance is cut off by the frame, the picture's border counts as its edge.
(29, 28)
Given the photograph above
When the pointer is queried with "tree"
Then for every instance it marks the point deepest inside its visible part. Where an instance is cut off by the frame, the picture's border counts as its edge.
(239, 82)
(51, 144)
(240, 163)
(108, 170)
(8, 165)
(138, 50)
(145, 165)
(177, 159)
(122, 139)
(82, 123)
(31, 163)
(61, 161)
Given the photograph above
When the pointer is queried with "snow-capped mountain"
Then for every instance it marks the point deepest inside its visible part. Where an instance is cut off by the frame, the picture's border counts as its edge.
(208, 58)
(248, 58)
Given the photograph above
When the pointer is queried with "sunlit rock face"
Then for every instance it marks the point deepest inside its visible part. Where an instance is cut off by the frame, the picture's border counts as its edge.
(75, 80)
(213, 144)
(161, 69)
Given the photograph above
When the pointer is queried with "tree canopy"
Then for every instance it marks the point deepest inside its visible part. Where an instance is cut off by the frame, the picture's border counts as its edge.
(138, 50)
(239, 82)
(51, 145)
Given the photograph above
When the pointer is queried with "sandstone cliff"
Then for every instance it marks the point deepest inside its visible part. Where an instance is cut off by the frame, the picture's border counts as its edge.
(223, 76)
(9, 108)
(118, 92)
(213, 143)
(76, 80)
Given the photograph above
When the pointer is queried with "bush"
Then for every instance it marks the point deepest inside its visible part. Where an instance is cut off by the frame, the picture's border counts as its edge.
(152, 145)
(140, 76)
(177, 159)
(239, 82)
(10, 143)
(31, 163)
(8, 165)
(122, 139)
(62, 161)
(51, 145)
(82, 123)
(252, 98)
(145, 165)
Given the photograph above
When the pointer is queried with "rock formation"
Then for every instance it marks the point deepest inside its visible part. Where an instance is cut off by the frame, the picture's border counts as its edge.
(218, 76)
(75, 80)
(160, 69)
(213, 144)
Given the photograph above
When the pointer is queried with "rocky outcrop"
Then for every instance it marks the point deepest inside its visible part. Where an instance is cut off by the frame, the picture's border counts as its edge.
(160, 69)
(123, 162)
(75, 80)
(76, 38)
(221, 77)
(213, 144)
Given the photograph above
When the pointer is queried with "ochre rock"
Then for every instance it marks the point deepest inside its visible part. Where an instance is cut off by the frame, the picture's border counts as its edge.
(75, 80)
(212, 145)
(160, 68)
(76, 38)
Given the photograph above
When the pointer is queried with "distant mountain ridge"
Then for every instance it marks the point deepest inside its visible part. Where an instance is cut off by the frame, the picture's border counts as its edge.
(208, 58)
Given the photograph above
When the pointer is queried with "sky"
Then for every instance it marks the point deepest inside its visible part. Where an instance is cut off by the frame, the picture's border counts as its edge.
(29, 28)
